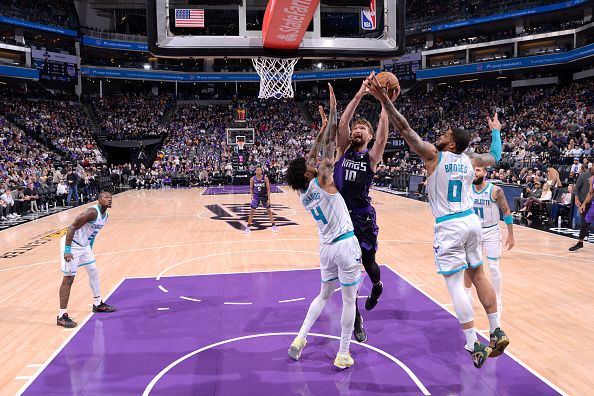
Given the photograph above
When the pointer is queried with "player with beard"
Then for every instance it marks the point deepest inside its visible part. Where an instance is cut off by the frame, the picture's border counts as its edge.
(457, 243)
(353, 174)
(489, 202)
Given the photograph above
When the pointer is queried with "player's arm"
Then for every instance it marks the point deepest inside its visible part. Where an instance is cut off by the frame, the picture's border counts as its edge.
(83, 218)
(344, 126)
(425, 150)
(499, 197)
(381, 138)
(312, 157)
(329, 148)
(251, 186)
(267, 187)
(494, 154)
(588, 197)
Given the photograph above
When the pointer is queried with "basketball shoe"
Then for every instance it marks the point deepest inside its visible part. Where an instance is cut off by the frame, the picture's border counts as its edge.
(343, 361)
(297, 347)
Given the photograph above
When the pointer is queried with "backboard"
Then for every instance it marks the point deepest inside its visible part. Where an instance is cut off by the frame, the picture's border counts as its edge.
(234, 29)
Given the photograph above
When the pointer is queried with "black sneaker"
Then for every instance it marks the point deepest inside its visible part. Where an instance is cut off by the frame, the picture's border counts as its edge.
(576, 247)
(498, 342)
(480, 354)
(103, 308)
(376, 292)
(359, 332)
(66, 322)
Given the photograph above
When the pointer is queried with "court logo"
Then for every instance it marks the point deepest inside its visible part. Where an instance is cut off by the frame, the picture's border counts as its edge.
(236, 215)
(38, 241)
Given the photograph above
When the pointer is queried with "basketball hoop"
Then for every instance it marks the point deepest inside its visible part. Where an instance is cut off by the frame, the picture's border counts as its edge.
(240, 145)
(276, 76)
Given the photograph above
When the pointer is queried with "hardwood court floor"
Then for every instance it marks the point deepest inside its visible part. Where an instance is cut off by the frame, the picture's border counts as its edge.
(548, 312)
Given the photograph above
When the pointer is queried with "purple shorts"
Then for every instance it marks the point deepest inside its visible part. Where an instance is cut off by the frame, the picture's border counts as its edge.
(366, 228)
(257, 201)
(590, 215)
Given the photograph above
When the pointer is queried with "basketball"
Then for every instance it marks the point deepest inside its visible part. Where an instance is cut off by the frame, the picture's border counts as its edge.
(390, 82)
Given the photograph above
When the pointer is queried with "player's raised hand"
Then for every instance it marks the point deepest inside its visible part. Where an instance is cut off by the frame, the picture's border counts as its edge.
(375, 89)
(332, 97)
(494, 123)
(363, 89)
(323, 116)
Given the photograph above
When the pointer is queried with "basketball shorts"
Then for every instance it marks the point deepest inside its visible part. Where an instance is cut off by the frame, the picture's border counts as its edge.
(341, 260)
(492, 242)
(366, 229)
(83, 255)
(260, 201)
(457, 244)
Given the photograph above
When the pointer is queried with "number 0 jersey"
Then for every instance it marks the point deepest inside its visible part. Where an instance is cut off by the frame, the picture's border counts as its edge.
(450, 186)
(329, 211)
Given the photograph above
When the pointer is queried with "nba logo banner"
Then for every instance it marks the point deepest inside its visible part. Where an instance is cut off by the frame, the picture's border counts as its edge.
(368, 18)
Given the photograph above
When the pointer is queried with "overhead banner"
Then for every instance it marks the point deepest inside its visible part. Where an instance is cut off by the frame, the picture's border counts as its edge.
(136, 74)
(508, 15)
(38, 26)
(114, 44)
(515, 63)
(285, 23)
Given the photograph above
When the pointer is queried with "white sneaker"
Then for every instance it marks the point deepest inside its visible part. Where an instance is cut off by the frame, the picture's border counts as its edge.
(11, 216)
(274, 229)
(343, 361)
(17, 215)
(247, 230)
(2, 218)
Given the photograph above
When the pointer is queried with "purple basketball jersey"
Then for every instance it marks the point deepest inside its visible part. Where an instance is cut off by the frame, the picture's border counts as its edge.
(353, 177)
(260, 187)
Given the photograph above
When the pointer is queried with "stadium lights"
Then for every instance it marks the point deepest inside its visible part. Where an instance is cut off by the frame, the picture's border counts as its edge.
(469, 80)
(319, 65)
(146, 66)
(499, 78)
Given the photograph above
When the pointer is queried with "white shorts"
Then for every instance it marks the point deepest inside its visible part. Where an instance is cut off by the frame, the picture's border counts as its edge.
(457, 244)
(492, 242)
(341, 260)
(83, 255)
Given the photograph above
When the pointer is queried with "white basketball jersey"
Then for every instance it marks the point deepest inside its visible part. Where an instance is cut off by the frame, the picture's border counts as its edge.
(450, 186)
(484, 206)
(85, 234)
(329, 211)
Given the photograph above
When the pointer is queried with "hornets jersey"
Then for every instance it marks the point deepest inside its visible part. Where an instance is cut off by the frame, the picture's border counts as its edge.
(484, 206)
(85, 234)
(329, 211)
(450, 186)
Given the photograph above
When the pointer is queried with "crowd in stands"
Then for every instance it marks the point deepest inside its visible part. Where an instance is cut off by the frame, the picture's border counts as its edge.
(59, 124)
(132, 116)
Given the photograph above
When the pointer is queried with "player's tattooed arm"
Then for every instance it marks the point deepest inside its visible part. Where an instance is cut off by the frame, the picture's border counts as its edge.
(344, 126)
(425, 150)
(505, 210)
(312, 157)
(329, 145)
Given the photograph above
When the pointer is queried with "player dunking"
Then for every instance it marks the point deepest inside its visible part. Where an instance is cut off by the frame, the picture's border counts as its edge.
(457, 244)
(260, 193)
(76, 250)
(353, 174)
(489, 200)
(340, 254)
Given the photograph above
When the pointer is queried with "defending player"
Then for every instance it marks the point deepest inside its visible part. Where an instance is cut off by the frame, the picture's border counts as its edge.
(340, 255)
(353, 175)
(260, 193)
(458, 232)
(489, 202)
(76, 250)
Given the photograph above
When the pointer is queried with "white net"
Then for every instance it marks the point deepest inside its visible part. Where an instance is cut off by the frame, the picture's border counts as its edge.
(276, 77)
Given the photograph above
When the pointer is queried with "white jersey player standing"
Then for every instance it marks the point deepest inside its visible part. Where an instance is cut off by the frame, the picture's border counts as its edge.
(76, 250)
(489, 204)
(457, 244)
(340, 254)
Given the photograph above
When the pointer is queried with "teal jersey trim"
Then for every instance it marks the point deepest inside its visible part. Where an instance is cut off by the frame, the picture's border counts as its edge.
(351, 284)
(491, 226)
(452, 216)
(329, 280)
(346, 235)
(493, 258)
(483, 190)
(462, 268)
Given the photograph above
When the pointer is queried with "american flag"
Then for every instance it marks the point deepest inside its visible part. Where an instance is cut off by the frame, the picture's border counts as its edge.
(189, 18)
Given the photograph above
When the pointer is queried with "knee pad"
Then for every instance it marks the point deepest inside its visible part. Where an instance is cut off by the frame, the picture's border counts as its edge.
(462, 306)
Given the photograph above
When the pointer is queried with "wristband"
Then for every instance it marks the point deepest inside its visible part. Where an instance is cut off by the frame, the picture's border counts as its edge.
(508, 219)
(67, 249)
